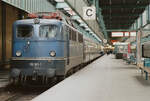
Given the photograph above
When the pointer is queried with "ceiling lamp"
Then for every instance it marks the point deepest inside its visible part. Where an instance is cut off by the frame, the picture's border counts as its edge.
(59, 0)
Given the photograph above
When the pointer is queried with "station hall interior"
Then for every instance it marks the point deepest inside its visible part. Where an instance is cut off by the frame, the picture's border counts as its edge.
(74, 50)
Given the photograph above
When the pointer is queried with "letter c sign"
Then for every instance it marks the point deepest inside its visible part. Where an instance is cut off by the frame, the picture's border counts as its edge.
(89, 13)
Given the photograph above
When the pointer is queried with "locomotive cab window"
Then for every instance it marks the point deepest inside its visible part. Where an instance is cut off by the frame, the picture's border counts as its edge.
(48, 31)
(24, 31)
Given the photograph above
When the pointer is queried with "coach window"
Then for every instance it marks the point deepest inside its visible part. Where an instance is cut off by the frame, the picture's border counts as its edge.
(48, 31)
(70, 33)
(73, 35)
(24, 31)
(80, 38)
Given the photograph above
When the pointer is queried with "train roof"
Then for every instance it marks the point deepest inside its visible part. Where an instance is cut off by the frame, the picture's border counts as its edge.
(41, 21)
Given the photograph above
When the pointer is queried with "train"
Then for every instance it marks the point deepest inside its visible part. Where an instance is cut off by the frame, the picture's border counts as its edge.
(46, 46)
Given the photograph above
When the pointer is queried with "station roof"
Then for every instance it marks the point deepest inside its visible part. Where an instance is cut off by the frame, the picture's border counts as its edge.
(121, 14)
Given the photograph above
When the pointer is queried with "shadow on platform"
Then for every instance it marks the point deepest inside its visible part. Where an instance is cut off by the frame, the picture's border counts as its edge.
(142, 81)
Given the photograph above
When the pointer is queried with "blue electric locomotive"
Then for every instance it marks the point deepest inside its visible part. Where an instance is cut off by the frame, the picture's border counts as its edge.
(47, 48)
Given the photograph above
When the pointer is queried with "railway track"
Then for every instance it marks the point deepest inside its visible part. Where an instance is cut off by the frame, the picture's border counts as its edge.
(24, 93)
(13, 97)
(12, 93)
(21, 97)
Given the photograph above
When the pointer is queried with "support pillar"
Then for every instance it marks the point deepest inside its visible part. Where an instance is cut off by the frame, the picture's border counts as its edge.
(3, 31)
(146, 75)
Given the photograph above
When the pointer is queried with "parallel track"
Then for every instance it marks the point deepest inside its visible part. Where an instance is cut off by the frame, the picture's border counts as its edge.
(13, 97)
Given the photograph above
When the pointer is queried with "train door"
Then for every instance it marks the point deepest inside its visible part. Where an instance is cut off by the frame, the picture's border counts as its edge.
(84, 53)
(66, 33)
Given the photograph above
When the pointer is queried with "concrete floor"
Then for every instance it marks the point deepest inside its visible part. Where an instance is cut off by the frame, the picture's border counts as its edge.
(106, 79)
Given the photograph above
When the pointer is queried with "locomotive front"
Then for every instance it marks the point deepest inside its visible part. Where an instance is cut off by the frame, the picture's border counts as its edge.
(38, 50)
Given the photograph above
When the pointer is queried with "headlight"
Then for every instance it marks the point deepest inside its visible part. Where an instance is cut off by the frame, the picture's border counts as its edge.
(36, 20)
(52, 53)
(18, 53)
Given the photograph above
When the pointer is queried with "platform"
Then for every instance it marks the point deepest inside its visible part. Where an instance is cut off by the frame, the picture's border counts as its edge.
(106, 79)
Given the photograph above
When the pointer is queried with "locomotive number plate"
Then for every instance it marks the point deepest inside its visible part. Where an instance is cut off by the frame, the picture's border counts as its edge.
(49, 60)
